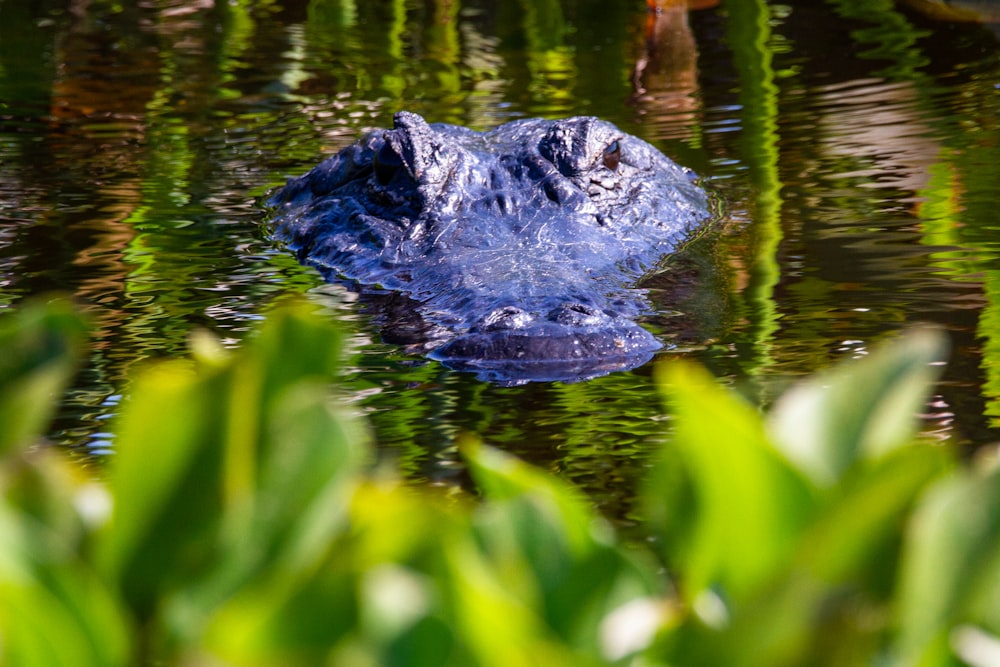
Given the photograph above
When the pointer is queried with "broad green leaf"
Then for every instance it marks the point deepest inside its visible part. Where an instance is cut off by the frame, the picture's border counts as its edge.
(47, 588)
(295, 345)
(283, 620)
(44, 487)
(40, 630)
(859, 525)
(399, 546)
(380, 589)
(290, 456)
(544, 541)
(560, 507)
(164, 480)
(310, 463)
(842, 567)
(950, 569)
(40, 344)
(205, 483)
(306, 474)
(498, 628)
(857, 410)
(745, 505)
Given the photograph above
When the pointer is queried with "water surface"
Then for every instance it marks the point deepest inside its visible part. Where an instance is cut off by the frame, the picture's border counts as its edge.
(854, 142)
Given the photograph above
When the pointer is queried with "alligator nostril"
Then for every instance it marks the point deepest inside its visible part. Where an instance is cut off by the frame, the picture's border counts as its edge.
(508, 317)
(577, 314)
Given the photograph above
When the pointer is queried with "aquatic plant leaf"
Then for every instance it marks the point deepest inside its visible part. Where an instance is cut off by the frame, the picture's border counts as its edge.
(54, 609)
(845, 539)
(41, 626)
(399, 545)
(41, 344)
(949, 576)
(842, 568)
(334, 611)
(498, 627)
(548, 545)
(284, 530)
(244, 473)
(307, 470)
(284, 619)
(857, 531)
(165, 482)
(857, 411)
(560, 506)
(728, 505)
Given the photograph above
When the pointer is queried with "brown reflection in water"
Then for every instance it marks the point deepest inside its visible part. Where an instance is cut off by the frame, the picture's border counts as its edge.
(979, 11)
(98, 123)
(879, 133)
(104, 98)
(665, 77)
(867, 170)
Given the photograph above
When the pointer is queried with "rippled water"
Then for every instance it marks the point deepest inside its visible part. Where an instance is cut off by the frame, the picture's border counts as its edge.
(855, 143)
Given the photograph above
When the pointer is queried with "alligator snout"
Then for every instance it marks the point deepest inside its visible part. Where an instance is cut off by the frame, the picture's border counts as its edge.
(569, 342)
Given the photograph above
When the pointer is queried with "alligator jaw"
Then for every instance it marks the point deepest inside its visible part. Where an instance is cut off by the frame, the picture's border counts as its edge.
(549, 352)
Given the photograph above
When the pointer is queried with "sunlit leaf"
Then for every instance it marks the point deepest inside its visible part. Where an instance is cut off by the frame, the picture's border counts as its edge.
(47, 588)
(164, 480)
(856, 532)
(565, 511)
(228, 465)
(377, 589)
(39, 630)
(950, 571)
(745, 504)
(309, 465)
(857, 410)
(40, 345)
(841, 569)
(498, 627)
(284, 619)
(550, 547)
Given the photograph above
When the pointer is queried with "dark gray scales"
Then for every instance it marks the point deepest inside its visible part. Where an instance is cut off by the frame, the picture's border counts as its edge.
(518, 249)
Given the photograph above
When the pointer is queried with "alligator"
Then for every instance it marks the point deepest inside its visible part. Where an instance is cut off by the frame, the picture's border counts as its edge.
(518, 248)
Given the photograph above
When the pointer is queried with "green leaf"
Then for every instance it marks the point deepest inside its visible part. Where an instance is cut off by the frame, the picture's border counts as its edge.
(856, 533)
(283, 620)
(950, 570)
(41, 344)
(498, 627)
(227, 466)
(47, 588)
(544, 540)
(744, 504)
(164, 482)
(380, 590)
(560, 507)
(857, 410)
(842, 569)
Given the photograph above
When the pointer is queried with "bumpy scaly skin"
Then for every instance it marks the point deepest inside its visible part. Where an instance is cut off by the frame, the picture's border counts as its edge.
(523, 243)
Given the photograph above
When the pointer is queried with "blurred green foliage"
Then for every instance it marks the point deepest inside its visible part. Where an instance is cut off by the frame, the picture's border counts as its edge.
(242, 522)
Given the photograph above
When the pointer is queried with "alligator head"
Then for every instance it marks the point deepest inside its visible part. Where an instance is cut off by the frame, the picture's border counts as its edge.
(522, 244)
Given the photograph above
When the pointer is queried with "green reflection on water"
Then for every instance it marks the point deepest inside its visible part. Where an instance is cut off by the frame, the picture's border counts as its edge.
(955, 221)
(133, 144)
(750, 37)
(891, 37)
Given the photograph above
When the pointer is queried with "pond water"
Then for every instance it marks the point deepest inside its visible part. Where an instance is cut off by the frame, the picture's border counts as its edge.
(856, 144)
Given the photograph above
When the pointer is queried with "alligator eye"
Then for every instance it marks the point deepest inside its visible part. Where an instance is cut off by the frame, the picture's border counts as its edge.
(387, 163)
(613, 155)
